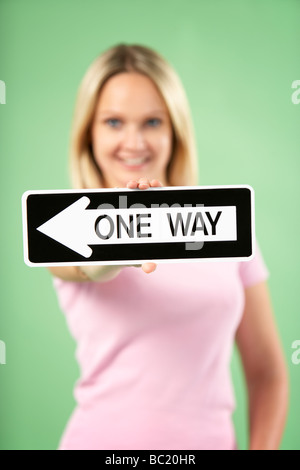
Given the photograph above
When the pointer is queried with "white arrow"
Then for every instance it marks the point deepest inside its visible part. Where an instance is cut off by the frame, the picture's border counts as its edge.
(77, 228)
(72, 227)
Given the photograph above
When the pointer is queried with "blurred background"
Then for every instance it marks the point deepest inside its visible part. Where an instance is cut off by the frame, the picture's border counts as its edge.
(237, 60)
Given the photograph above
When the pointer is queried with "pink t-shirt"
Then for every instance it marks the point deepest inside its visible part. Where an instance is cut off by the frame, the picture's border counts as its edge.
(154, 353)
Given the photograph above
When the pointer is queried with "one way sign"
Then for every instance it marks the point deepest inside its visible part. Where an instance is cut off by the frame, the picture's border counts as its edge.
(124, 226)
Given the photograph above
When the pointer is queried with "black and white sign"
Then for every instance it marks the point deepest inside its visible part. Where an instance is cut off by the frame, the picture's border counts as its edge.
(124, 226)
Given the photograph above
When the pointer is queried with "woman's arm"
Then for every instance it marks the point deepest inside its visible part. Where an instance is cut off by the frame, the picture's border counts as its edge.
(85, 273)
(105, 272)
(265, 370)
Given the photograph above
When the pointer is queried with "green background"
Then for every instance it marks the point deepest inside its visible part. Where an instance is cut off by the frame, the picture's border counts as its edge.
(237, 60)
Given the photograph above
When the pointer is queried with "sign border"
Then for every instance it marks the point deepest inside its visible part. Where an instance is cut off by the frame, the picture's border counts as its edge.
(120, 263)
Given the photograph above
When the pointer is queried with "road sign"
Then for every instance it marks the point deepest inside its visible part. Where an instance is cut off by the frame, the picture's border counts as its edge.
(124, 226)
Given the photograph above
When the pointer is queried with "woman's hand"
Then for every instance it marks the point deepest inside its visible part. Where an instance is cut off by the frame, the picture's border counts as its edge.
(104, 273)
(144, 183)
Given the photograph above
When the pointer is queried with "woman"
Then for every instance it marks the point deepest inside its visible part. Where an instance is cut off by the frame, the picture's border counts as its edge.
(155, 351)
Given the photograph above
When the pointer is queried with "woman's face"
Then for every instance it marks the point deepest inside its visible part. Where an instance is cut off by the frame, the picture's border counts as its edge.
(132, 131)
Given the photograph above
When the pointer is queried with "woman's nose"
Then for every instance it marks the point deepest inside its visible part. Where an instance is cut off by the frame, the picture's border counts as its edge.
(134, 138)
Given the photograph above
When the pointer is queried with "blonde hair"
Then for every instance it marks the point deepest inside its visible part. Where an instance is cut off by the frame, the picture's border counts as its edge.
(182, 169)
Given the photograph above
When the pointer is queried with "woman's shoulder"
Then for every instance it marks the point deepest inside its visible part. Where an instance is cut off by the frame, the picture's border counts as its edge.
(255, 270)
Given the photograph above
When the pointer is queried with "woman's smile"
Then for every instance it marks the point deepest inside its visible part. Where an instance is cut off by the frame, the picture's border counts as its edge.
(134, 163)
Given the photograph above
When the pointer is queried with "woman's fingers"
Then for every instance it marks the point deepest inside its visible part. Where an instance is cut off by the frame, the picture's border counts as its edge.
(148, 267)
(132, 184)
(143, 183)
(155, 184)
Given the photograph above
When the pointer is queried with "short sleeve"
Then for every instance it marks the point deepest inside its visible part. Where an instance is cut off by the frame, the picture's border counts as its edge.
(66, 291)
(255, 270)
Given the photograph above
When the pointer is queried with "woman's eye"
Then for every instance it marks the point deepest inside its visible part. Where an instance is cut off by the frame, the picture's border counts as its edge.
(153, 122)
(113, 122)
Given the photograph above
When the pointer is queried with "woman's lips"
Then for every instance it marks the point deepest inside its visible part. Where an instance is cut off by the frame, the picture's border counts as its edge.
(133, 162)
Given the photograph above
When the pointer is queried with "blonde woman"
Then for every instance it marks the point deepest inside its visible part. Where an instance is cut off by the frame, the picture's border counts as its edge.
(154, 350)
